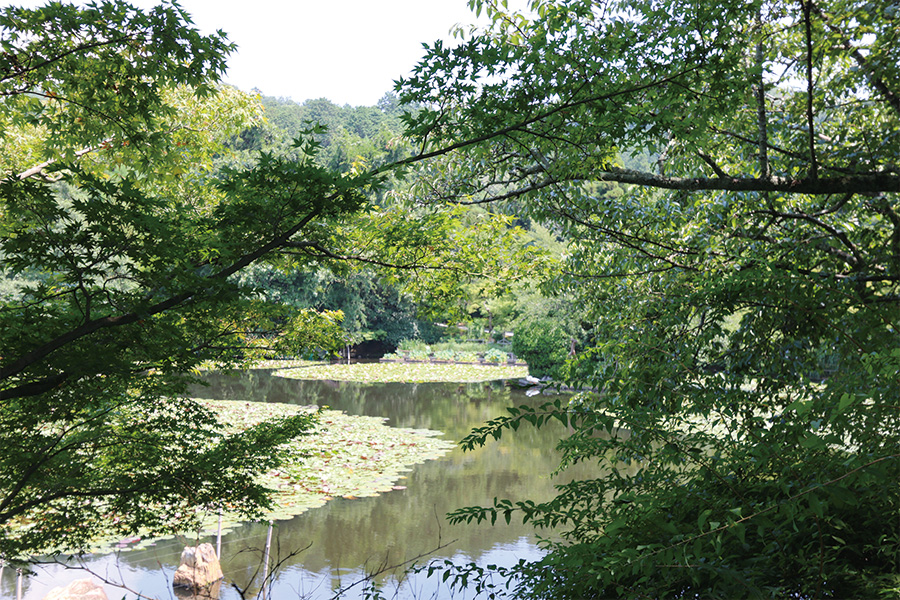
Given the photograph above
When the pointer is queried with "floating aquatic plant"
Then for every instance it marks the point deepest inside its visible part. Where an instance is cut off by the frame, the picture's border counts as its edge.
(406, 372)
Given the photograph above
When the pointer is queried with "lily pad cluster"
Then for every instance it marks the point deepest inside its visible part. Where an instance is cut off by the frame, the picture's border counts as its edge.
(406, 372)
(344, 455)
(349, 456)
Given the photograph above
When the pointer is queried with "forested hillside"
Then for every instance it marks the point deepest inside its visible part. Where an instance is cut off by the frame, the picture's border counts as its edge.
(378, 301)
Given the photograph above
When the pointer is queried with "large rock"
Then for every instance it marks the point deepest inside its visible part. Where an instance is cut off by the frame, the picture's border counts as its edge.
(199, 568)
(80, 589)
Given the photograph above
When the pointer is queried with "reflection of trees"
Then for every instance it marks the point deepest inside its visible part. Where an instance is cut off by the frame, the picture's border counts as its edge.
(451, 408)
(349, 533)
(253, 386)
(346, 534)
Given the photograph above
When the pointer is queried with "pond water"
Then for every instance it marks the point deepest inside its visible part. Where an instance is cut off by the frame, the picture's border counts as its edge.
(326, 549)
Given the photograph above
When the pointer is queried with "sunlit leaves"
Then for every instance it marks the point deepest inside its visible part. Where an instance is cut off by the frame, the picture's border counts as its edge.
(120, 54)
(119, 242)
(741, 319)
(430, 253)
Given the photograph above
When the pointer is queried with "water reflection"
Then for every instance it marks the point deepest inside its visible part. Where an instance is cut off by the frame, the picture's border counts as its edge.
(327, 548)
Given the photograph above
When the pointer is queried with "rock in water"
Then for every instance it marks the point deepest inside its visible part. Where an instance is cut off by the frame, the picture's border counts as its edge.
(80, 589)
(199, 567)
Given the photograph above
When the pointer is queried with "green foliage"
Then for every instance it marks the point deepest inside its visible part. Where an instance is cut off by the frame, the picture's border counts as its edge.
(120, 241)
(450, 351)
(372, 308)
(352, 137)
(461, 347)
(738, 290)
(544, 345)
(413, 265)
(124, 59)
(430, 255)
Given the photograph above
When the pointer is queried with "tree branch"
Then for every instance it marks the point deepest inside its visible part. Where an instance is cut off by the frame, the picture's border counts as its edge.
(859, 260)
(761, 119)
(861, 183)
(810, 115)
(635, 243)
(712, 164)
(537, 185)
(882, 207)
(37, 169)
(324, 252)
(111, 321)
(521, 125)
(58, 57)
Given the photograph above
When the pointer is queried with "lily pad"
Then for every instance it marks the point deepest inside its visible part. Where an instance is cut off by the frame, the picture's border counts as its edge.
(406, 372)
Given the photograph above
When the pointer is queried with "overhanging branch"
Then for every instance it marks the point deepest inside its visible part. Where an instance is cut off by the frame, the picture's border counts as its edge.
(23, 362)
(867, 183)
(320, 251)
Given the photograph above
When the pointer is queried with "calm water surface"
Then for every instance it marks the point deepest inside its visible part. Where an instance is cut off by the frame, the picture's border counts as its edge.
(329, 548)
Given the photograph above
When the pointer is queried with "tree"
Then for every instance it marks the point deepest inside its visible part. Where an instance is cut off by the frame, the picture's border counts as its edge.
(120, 242)
(372, 308)
(742, 295)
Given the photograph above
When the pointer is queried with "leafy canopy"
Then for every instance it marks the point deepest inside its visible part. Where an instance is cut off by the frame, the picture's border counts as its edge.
(120, 238)
(741, 293)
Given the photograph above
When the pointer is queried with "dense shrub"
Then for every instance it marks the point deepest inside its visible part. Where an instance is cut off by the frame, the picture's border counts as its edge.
(544, 345)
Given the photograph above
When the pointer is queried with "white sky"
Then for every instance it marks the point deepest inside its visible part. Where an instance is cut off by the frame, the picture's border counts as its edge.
(349, 51)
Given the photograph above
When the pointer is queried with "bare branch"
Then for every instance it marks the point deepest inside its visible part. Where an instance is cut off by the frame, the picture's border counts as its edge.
(861, 183)
(38, 169)
(810, 115)
(716, 168)
(762, 126)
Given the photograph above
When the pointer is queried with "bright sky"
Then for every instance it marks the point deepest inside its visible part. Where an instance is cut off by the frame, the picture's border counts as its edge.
(349, 51)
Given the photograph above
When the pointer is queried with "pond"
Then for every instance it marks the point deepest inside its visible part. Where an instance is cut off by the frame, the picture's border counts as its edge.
(331, 547)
